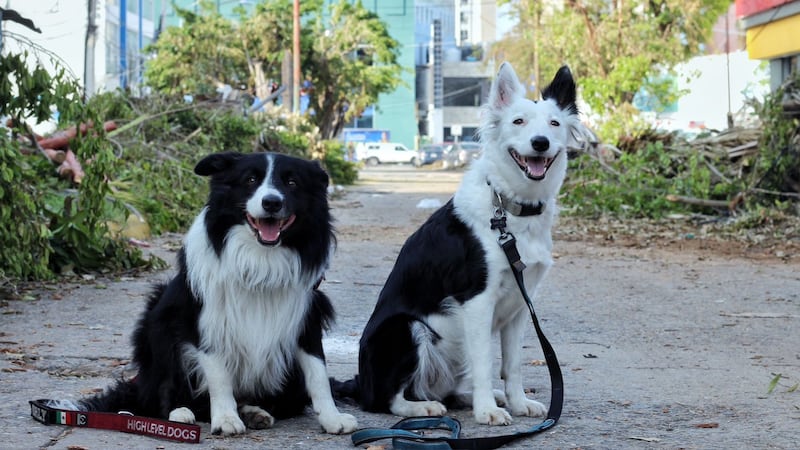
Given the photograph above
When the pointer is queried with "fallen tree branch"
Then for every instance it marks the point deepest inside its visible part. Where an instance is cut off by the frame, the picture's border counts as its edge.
(60, 139)
(55, 156)
(780, 194)
(71, 167)
(727, 204)
(141, 119)
(716, 171)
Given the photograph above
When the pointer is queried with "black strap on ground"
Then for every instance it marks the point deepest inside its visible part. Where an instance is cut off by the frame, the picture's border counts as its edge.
(409, 433)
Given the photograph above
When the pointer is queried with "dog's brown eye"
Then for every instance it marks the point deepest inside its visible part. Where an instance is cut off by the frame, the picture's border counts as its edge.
(291, 182)
(555, 123)
(518, 121)
(251, 180)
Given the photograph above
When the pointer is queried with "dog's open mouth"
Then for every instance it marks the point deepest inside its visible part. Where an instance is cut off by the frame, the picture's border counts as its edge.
(268, 229)
(535, 167)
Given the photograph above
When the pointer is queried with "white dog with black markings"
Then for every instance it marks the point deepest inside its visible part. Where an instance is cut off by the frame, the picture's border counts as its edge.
(428, 340)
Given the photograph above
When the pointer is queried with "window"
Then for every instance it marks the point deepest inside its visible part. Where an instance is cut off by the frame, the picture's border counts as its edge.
(464, 91)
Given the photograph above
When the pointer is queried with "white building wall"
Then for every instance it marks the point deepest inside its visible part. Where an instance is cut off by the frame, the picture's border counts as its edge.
(63, 25)
(705, 105)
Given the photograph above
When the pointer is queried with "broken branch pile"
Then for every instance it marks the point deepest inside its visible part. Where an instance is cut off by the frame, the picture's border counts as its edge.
(55, 147)
(720, 170)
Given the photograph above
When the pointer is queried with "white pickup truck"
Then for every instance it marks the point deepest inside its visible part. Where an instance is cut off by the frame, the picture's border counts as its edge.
(374, 153)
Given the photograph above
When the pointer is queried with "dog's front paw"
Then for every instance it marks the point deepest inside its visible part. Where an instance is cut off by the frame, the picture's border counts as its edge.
(528, 407)
(418, 408)
(227, 424)
(493, 416)
(182, 415)
(338, 423)
(255, 417)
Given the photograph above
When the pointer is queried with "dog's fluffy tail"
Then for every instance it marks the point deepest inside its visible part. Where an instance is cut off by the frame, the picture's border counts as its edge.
(122, 396)
(346, 390)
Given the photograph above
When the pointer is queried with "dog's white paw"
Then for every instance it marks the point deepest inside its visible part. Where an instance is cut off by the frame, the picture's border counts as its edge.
(527, 407)
(255, 417)
(227, 424)
(493, 416)
(418, 408)
(182, 414)
(338, 423)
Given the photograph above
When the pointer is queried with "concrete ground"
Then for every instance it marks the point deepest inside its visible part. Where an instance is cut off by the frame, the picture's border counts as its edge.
(660, 347)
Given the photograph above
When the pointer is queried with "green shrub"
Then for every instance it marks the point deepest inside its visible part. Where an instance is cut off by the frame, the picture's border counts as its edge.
(24, 233)
(49, 224)
(639, 184)
(776, 167)
(340, 171)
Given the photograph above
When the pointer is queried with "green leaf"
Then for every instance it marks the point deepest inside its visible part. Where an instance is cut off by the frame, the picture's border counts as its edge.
(774, 383)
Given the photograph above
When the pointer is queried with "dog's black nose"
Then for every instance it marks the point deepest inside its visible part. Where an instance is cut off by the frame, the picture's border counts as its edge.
(271, 203)
(540, 143)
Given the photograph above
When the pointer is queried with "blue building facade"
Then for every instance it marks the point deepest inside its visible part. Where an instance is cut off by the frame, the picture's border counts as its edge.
(396, 111)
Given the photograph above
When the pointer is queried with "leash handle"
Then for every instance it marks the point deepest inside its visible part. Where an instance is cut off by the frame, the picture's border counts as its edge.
(407, 435)
(128, 423)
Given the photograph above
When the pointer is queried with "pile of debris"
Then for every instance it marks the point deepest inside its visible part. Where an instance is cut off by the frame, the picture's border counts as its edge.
(730, 155)
(55, 147)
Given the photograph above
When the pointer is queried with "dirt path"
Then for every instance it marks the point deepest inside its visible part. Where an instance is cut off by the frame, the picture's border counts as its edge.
(662, 346)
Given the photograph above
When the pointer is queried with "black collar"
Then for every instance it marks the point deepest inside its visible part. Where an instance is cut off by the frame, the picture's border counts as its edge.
(514, 207)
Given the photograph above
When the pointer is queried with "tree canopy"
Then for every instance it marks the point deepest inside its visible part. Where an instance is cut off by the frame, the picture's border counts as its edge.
(615, 49)
(347, 55)
(197, 57)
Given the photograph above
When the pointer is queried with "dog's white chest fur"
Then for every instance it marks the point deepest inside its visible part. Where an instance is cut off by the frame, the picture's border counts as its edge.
(473, 204)
(251, 318)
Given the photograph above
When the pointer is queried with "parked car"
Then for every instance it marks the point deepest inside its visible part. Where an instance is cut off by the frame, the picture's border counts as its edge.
(460, 154)
(374, 153)
(429, 154)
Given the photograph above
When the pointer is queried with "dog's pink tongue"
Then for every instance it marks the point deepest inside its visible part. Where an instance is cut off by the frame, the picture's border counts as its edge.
(268, 230)
(536, 166)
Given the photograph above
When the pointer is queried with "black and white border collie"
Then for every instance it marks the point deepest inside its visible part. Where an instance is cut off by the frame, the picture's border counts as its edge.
(236, 336)
(429, 337)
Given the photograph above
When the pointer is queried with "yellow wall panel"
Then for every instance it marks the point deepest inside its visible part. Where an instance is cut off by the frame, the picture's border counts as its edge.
(774, 39)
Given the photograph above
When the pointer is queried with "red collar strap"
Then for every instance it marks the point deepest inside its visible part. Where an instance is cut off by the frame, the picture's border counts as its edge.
(164, 429)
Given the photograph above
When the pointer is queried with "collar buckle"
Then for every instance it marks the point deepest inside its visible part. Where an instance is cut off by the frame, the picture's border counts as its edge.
(515, 208)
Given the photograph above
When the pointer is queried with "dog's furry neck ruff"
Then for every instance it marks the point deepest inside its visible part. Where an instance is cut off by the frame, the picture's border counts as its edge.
(514, 207)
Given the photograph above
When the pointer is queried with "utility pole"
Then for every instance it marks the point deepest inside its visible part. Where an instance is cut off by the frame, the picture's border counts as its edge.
(88, 50)
(296, 58)
(123, 44)
(728, 66)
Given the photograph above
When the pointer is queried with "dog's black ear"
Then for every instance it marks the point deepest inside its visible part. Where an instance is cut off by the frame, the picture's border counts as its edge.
(321, 174)
(505, 88)
(562, 90)
(216, 163)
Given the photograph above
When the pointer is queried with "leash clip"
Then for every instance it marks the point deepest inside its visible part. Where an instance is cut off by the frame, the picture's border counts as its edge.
(498, 222)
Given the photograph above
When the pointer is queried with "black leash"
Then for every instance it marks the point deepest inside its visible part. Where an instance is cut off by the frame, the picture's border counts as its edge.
(408, 434)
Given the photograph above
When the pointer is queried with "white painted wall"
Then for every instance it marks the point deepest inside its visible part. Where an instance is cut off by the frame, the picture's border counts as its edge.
(63, 24)
(706, 102)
